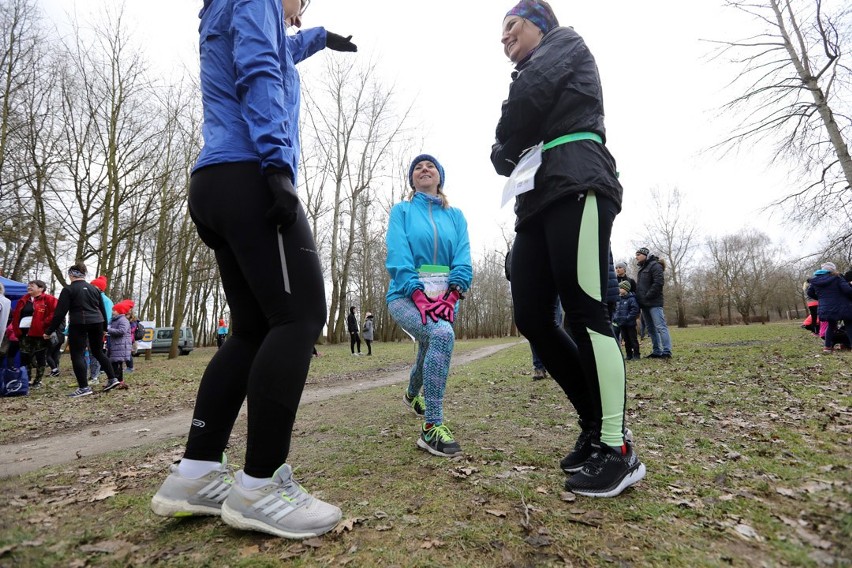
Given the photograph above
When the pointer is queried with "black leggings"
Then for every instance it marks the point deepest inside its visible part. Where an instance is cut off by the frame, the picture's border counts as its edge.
(565, 255)
(276, 294)
(91, 335)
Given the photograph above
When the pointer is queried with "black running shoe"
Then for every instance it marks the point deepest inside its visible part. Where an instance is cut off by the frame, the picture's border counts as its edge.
(607, 472)
(573, 462)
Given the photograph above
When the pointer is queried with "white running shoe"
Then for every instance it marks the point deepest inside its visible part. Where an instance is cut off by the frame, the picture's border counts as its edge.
(282, 508)
(179, 496)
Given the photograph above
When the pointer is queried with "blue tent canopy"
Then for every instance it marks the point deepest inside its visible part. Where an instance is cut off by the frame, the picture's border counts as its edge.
(14, 290)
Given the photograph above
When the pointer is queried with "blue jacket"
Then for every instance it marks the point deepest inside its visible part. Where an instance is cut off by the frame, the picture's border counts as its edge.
(834, 295)
(626, 311)
(249, 83)
(421, 232)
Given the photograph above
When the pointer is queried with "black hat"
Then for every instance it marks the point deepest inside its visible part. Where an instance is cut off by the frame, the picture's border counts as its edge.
(643, 250)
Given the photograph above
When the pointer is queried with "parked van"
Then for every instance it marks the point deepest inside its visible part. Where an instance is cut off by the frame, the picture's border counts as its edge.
(162, 341)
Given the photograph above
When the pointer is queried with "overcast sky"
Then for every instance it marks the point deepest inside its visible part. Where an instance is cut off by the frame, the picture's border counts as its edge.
(661, 95)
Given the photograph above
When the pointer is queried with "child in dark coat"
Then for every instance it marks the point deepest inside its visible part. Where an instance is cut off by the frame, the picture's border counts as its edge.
(120, 340)
(835, 300)
(626, 312)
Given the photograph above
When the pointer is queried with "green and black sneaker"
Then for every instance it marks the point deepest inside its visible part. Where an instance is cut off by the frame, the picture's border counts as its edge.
(417, 403)
(438, 440)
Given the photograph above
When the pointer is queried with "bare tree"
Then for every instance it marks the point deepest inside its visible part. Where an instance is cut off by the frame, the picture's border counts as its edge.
(671, 231)
(795, 90)
(351, 115)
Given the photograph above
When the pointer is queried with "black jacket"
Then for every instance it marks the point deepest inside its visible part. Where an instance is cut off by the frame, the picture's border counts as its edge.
(649, 283)
(83, 304)
(556, 91)
(351, 323)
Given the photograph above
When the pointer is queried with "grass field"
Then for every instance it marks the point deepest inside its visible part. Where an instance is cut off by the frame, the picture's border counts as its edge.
(745, 434)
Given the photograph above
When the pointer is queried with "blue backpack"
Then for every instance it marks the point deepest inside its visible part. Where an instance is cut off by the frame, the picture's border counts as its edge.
(14, 382)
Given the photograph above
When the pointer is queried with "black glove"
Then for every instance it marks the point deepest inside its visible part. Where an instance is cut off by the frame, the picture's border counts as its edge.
(339, 43)
(285, 201)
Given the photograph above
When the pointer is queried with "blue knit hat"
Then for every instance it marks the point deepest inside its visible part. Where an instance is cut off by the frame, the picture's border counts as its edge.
(539, 13)
(426, 158)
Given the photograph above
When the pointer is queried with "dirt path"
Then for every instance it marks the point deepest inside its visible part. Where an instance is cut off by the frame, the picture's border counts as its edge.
(24, 457)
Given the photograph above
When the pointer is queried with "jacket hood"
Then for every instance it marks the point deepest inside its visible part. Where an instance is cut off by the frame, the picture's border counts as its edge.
(822, 279)
(648, 259)
(204, 8)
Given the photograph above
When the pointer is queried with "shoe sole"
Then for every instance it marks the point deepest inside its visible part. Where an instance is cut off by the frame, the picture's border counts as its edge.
(237, 520)
(424, 446)
(171, 508)
(630, 479)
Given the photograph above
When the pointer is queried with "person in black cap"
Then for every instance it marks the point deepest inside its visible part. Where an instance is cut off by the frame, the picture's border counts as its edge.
(561, 251)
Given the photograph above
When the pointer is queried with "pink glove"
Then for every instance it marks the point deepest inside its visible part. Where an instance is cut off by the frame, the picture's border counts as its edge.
(424, 305)
(445, 308)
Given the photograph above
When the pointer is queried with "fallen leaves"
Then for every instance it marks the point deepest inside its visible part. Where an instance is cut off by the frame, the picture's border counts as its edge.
(105, 492)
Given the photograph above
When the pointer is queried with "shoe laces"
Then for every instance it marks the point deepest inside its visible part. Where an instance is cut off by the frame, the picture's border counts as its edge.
(440, 433)
(291, 490)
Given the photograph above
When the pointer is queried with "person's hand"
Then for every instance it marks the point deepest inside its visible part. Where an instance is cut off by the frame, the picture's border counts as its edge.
(285, 201)
(339, 43)
(424, 305)
(46, 336)
(445, 308)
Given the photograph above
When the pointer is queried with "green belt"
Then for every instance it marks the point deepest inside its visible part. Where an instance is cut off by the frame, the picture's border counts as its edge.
(573, 137)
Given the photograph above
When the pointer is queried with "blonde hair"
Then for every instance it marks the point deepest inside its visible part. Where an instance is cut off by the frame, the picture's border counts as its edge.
(445, 203)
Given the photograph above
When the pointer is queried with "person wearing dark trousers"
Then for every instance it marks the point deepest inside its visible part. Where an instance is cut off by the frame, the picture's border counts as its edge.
(368, 332)
(352, 327)
(54, 352)
(244, 204)
(563, 226)
(625, 316)
(32, 314)
(84, 306)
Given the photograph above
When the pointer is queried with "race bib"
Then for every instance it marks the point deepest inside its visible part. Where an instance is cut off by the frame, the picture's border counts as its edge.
(435, 279)
(523, 176)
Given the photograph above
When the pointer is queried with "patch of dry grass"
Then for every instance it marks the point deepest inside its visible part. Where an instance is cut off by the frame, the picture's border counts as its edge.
(743, 433)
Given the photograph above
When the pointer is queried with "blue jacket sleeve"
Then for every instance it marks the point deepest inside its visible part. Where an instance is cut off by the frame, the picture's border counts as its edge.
(400, 260)
(306, 43)
(461, 270)
(258, 32)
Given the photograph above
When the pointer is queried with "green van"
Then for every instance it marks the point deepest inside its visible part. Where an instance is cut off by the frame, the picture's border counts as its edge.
(162, 341)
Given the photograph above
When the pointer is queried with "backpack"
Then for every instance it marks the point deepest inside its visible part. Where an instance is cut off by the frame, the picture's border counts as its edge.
(14, 381)
(139, 334)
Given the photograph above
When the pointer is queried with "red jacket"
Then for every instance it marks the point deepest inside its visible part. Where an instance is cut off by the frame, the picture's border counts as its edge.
(43, 308)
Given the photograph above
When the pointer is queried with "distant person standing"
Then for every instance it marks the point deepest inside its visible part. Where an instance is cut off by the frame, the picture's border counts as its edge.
(368, 332)
(835, 300)
(626, 312)
(33, 313)
(352, 327)
(649, 293)
(120, 340)
(221, 333)
(84, 306)
(94, 365)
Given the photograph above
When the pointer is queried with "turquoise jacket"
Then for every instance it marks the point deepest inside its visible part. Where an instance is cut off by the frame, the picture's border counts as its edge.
(421, 232)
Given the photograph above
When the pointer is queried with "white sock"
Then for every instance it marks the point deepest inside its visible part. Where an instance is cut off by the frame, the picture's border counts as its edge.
(194, 469)
(248, 482)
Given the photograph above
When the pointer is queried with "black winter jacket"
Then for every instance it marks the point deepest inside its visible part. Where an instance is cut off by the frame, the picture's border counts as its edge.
(556, 91)
(83, 304)
(351, 323)
(649, 283)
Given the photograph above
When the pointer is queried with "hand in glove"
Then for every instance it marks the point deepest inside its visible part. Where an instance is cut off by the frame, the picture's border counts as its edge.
(445, 308)
(424, 305)
(285, 201)
(339, 43)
